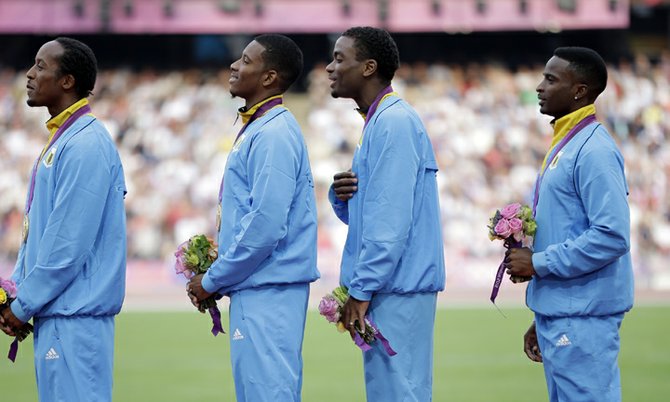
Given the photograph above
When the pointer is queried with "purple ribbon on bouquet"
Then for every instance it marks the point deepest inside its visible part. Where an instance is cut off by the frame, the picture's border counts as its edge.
(358, 340)
(13, 350)
(217, 328)
(509, 243)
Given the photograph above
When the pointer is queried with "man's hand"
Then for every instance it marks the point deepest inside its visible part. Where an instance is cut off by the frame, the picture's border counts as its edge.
(519, 262)
(195, 290)
(353, 315)
(530, 345)
(345, 185)
(9, 324)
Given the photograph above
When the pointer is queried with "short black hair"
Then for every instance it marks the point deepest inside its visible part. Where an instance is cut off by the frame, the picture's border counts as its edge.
(79, 61)
(587, 64)
(376, 44)
(283, 55)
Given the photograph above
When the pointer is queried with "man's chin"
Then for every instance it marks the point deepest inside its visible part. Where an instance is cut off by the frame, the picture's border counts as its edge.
(31, 102)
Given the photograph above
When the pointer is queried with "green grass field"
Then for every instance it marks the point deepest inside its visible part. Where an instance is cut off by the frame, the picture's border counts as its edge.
(167, 357)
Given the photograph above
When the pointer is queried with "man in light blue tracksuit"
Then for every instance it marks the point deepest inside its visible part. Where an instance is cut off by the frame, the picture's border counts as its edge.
(267, 235)
(71, 265)
(393, 261)
(582, 279)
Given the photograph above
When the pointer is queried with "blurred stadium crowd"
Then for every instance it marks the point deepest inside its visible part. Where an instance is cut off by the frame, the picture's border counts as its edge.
(174, 130)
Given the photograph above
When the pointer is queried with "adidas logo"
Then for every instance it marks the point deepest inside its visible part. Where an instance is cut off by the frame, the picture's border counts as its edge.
(51, 355)
(237, 335)
(563, 341)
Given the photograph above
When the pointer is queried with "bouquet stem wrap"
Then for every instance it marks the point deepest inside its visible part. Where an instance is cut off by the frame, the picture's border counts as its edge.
(509, 243)
(217, 328)
(331, 306)
(360, 342)
(13, 350)
(8, 292)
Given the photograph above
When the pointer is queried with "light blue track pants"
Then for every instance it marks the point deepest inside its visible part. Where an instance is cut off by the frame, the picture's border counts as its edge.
(407, 321)
(267, 326)
(580, 357)
(74, 358)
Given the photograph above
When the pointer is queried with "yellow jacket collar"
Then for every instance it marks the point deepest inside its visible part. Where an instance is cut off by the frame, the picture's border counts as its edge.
(246, 114)
(54, 123)
(563, 125)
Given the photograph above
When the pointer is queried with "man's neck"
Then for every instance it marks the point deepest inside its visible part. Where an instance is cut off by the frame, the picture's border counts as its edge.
(575, 107)
(63, 103)
(255, 99)
(368, 94)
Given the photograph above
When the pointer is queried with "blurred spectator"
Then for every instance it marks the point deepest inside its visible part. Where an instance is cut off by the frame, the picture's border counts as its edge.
(174, 130)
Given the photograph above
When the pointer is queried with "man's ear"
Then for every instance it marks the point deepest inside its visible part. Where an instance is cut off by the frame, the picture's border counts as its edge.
(581, 91)
(369, 67)
(67, 82)
(270, 77)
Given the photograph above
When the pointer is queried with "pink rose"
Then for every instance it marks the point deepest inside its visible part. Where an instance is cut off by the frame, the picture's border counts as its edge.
(510, 210)
(516, 226)
(503, 229)
(328, 307)
(9, 286)
(180, 265)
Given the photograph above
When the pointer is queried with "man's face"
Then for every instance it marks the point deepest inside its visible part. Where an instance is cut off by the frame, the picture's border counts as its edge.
(44, 78)
(247, 73)
(345, 72)
(557, 90)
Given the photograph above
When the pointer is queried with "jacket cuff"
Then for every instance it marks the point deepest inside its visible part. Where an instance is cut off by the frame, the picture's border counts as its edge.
(18, 311)
(360, 295)
(208, 284)
(540, 264)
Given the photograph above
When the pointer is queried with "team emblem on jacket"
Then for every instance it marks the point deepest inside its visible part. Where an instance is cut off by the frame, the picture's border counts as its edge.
(49, 159)
(554, 161)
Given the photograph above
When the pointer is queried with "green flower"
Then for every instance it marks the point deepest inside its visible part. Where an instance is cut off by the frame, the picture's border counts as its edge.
(341, 294)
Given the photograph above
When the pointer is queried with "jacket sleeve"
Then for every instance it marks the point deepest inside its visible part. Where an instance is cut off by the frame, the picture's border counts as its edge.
(83, 181)
(601, 186)
(393, 165)
(17, 274)
(341, 208)
(272, 166)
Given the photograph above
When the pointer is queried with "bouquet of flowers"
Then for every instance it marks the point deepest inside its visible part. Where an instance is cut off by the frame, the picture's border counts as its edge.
(331, 306)
(515, 226)
(194, 257)
(7, 295)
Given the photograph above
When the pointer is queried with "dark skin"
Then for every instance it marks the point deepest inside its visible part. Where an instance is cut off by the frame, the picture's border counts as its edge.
(345, 185)
(530, 345)
(519, 262)
(358, 80)
(9, 324)
(195, 290)
(560, 93)
(48, 87)
(251, 80)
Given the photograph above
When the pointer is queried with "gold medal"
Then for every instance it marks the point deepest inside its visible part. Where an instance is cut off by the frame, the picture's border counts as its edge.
(24, 231)
(218, 218)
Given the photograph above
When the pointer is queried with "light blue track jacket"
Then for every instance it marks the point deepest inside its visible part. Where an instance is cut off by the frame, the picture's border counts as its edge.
(74, 260)
(394, 242)
(268, 222)
(581, 247)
